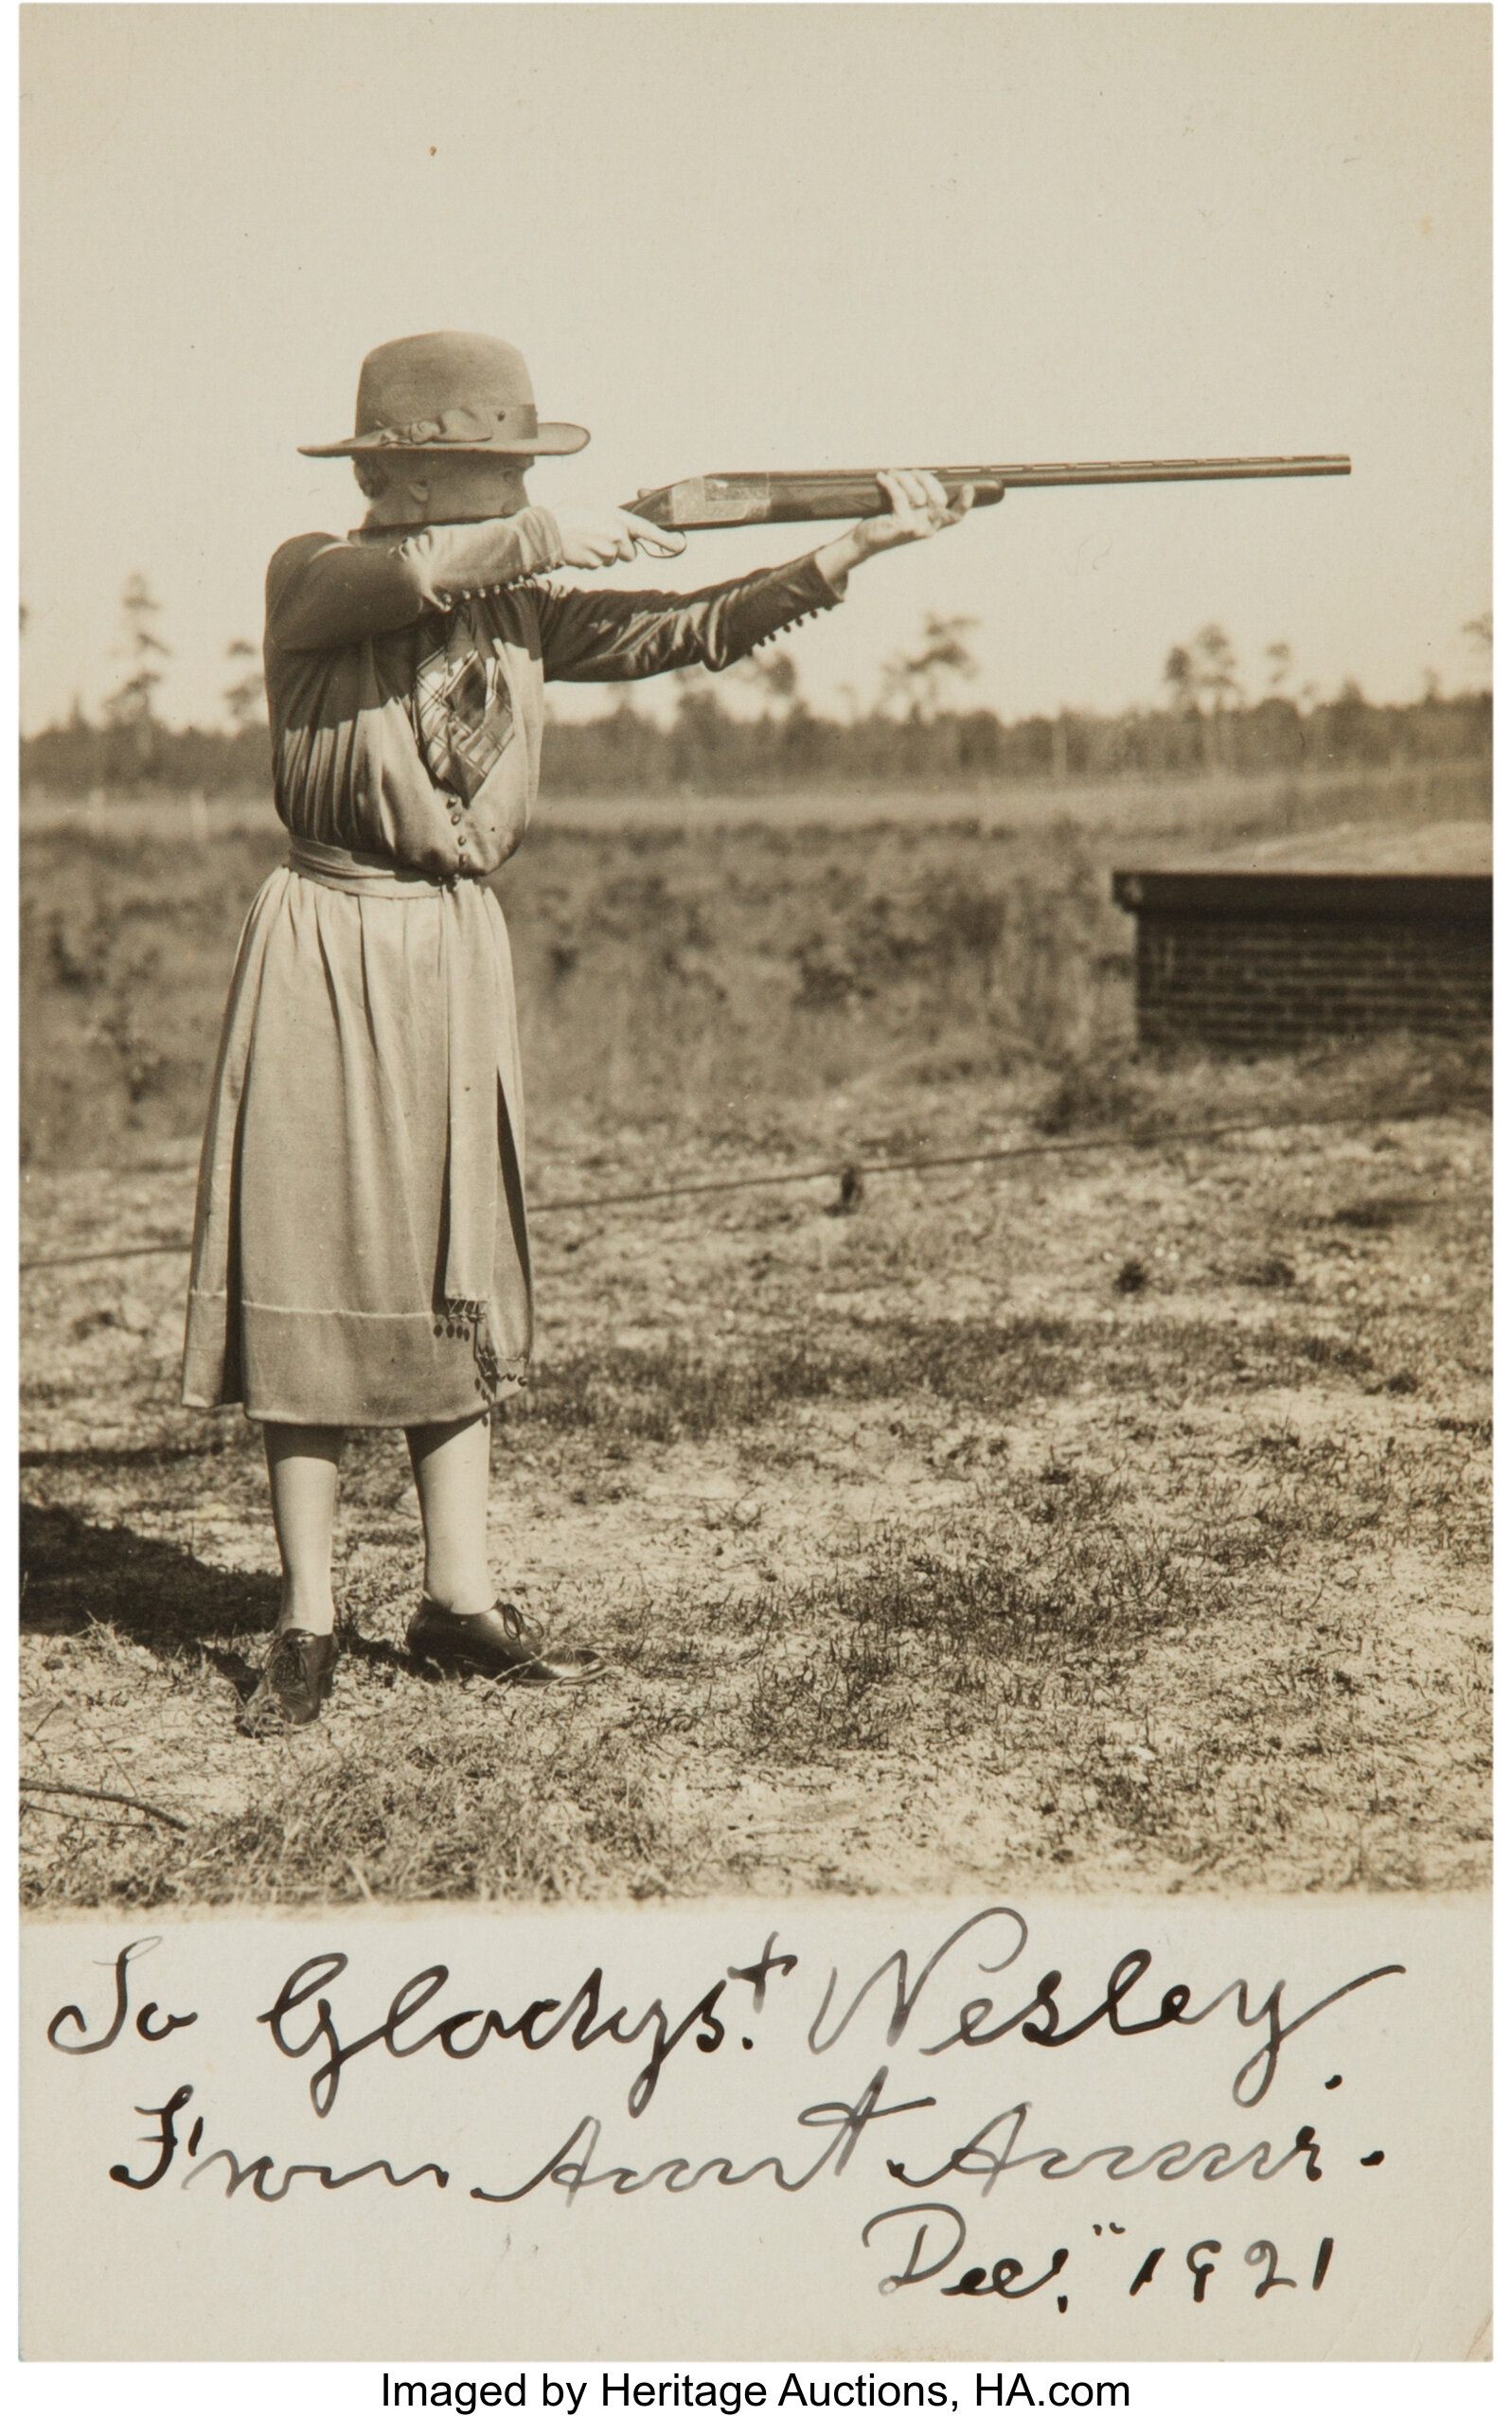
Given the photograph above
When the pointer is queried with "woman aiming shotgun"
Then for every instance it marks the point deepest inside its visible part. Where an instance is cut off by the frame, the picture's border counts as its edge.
(360, 1256)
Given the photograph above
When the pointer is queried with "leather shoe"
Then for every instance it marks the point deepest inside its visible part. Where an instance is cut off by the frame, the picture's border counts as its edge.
(501, 1643)
(297, 1679)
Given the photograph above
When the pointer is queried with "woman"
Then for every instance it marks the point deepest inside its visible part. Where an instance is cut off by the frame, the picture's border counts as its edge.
(361, 1254)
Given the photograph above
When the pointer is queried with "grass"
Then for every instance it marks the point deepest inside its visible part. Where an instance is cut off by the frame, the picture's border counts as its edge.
(1053, 1639)
(1038, 1604)
(445, 1808)
(665, 1394)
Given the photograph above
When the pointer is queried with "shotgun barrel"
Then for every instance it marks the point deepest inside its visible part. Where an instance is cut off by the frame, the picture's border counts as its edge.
(737, 498)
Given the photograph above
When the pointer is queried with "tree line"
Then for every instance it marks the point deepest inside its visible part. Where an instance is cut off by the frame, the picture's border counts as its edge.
(920, 729)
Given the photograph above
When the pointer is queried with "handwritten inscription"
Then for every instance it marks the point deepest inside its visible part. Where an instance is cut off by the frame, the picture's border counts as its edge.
(1039, 2021)
(579, 2018)
(939, 2233)
(578, 2021)
(145, 2027)
(927, 2008)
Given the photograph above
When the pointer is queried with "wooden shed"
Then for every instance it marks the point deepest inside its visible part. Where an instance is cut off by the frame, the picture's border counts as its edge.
(1346, 932)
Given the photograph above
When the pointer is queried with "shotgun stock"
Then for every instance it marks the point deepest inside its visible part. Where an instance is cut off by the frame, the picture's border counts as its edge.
(742, 498)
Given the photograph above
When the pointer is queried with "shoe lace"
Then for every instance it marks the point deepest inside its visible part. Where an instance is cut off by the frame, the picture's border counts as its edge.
(293, 1656)
(281, 1665)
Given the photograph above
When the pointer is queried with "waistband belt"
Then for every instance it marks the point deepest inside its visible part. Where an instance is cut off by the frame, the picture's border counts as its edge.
(361, 875)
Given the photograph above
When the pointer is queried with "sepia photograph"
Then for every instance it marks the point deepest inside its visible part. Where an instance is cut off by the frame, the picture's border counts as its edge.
(755, 849)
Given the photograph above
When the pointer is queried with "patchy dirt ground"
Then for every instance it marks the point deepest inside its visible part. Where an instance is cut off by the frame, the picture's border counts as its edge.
(1108, 1519)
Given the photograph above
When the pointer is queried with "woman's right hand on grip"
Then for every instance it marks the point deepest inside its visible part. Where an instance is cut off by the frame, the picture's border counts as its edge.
(596, 536)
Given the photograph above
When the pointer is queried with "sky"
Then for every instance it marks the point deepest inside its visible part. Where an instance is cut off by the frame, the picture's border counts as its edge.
(732, 238)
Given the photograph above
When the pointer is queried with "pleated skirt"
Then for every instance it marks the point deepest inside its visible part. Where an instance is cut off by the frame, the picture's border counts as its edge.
(365, 1110)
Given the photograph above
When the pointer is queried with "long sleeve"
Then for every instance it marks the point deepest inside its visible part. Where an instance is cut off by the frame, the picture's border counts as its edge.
(606, 633)
(327, 591)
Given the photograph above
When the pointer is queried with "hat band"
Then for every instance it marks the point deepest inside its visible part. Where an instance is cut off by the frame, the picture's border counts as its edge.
(467, 424)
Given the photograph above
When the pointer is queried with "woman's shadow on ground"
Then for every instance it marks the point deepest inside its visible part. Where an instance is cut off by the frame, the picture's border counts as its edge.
(74, 1575)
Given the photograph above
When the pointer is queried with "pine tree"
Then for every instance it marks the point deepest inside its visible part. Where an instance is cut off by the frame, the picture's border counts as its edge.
(131, 708)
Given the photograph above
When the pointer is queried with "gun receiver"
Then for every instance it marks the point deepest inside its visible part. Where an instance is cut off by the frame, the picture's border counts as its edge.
(739, 498)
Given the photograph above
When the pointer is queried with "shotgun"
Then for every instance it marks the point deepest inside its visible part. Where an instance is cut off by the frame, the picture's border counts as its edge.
(740, 498)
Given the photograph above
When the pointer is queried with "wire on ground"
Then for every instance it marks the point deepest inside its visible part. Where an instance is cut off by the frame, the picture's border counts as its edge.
(846, 1175)
(101, 1795)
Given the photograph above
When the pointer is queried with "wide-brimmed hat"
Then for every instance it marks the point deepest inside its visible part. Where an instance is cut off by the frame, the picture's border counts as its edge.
(450, 393)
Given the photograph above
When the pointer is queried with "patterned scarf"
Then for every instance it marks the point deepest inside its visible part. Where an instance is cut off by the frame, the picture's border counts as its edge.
(463, 714)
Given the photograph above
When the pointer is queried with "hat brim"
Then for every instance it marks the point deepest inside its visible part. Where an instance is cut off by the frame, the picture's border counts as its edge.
(552, 436)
